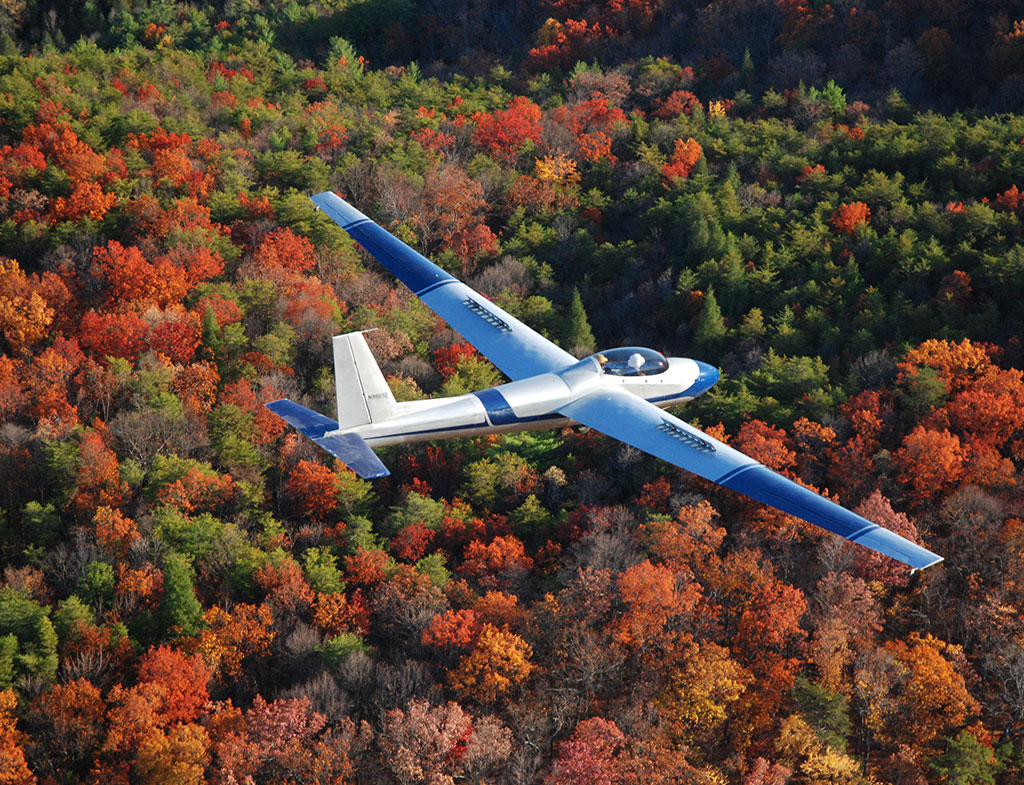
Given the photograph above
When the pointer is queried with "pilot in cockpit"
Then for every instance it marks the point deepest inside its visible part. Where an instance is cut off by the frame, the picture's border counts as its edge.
(636, 362)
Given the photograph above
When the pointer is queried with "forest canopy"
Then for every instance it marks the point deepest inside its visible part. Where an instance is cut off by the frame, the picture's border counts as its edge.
(824, 201)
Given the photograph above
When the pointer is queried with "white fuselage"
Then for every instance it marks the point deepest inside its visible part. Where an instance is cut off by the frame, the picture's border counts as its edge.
(527, 404)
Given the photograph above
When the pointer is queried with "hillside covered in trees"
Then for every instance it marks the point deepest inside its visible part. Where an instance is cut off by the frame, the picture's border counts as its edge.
(824, 202)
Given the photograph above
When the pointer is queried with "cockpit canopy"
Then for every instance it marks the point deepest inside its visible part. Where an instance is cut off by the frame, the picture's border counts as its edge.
(631, 361)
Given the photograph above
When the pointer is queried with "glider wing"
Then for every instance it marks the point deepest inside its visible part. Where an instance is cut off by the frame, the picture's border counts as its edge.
(631, 419)
(517, 350)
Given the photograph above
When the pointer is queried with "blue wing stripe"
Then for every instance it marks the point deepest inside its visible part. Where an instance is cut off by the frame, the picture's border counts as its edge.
(411, 268)
(884, 541)
(766, 486)
(729, 475)
(437, 285)
(853, 537)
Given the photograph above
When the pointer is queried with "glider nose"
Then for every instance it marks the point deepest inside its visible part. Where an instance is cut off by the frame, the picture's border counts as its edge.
(705, 379)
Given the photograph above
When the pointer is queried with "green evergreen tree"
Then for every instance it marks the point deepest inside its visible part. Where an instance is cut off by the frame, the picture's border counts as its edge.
(322, 571)
(97, 583)
(828, 714)
(231, 431)
(61, 462)
(8, 649)
(416, 508)
(579, 338)
(710, 330)
(752, 328)
(28, 641)
(180, 612)
(213, 340)
(70, 614)
(434, 567)
(747, 69)
(41, 522)
(966, 761)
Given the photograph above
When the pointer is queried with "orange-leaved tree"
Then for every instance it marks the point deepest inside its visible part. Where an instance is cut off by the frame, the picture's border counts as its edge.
(933, 698)
(232, 637)
(25, 314)
(68, 722)
(851, 217)
(503, 133)
(452, 629)
(497, 664)
(684, 157)
(13, 764)
(135, 282)
(592, 126)
(929, 463)
(652, 601)
(182, 681)
(499, 562)
(313, 489)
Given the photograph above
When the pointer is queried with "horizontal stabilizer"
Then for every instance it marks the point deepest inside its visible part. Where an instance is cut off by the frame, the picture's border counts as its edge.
(352, 450)
(306, 421)
(349, 448)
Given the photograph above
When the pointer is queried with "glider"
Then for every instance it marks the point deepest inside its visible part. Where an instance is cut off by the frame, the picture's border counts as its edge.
(619, 392)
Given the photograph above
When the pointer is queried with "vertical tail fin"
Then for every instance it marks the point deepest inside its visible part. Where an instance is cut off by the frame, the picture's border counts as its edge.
(363, 394)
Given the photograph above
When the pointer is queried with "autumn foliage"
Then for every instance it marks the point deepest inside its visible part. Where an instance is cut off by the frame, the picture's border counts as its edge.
(314, 489)
(823, 200)
(684, 158)
(850, 217)
(504, 132)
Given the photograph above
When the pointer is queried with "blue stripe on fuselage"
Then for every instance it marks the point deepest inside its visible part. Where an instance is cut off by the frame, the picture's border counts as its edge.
(681, 396)
(498, 410)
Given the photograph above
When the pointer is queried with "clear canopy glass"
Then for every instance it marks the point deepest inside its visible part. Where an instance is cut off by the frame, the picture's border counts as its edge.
(631, 361)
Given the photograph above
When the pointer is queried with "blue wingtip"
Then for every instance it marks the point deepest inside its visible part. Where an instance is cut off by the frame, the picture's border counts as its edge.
(761, 483)
(409, 266)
